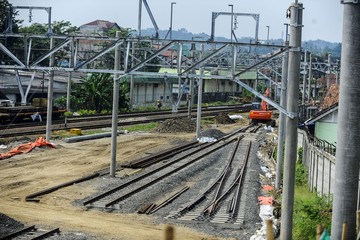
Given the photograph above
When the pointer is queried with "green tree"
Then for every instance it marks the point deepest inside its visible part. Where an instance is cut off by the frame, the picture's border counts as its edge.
(4, 15)
(96, 92)
(41, 45)
(4, 22)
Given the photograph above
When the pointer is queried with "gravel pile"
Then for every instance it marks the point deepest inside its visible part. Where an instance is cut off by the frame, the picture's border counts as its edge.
(176, 125)
(8, 225)
(223, 118)
(212, 133)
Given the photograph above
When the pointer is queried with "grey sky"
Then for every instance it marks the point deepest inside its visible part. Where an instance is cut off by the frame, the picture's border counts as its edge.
(322, 18)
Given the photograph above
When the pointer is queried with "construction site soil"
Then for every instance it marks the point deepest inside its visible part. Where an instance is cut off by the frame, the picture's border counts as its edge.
(46, 167)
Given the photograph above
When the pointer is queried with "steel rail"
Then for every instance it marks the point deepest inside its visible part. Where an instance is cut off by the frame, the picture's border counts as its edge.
(227, 169)
(238, 180)
(235, 203)
(121, 186)
(46, 234)
(151, 159)
(115, 189)
(31, 197)
(17, 233)
(68, 126)
(165, 175)
(169, 200)
(94, 199)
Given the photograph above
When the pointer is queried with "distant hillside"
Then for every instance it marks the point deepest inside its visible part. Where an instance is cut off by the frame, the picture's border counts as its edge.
(318, 47)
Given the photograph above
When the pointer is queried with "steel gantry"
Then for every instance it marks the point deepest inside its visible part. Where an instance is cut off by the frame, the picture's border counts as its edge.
(232, 14)
(12, 9)
(137, 54)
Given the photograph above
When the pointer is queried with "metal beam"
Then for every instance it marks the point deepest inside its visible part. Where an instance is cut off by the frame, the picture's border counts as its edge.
(263, 61)
(216, 14)
(104, 51)
(151, 18)
(274, 82)
(51, 51)
(205, 59)
(269, 101)
(18, 80)
(12, 56)
(142, 63)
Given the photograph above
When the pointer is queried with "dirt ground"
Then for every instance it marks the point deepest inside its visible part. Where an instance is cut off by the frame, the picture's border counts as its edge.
(42, 168)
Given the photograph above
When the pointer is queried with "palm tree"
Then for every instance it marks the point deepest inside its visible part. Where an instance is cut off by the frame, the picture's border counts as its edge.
(96, 91)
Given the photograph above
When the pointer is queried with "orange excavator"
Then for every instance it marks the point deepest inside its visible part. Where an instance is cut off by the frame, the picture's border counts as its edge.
(261, 113)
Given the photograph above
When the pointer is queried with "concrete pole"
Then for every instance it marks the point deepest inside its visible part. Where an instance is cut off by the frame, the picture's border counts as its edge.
(200, 89)
(132, 84)
(304, 79)
(171, 18)
(179, 61)
(50, 94)
(281, 130)
(328, 72)
(115, 111)
(191, 96)
(347, 151)
(292, 105)
(191, 87)
(71, 64)
(310, 79)
(139, 18)
(232, 21)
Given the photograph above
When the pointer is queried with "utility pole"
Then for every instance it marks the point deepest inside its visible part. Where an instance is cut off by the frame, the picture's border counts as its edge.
(310, 78)
(281, 130)
(328, 72)
(132, 84)
(292, 105)
(115, 110)
(200, 89)
(50, 93)
(171, 19)
(232, 21)
(304, 78)
(347, 151)
(139, 18)
(71, 65)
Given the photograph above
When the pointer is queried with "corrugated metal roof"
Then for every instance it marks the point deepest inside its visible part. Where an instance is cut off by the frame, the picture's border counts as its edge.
(322, 114)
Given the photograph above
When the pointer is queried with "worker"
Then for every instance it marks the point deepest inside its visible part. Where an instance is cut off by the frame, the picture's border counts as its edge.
(158, 104)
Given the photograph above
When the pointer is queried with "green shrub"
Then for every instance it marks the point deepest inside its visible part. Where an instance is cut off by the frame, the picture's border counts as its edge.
(84, 112)
(68, 114)
(309, 211)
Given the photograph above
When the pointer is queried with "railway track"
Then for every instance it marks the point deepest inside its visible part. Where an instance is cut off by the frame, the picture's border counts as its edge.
(220, 202)
(168, 173)
(32, 233)
(102, 121)
(224, 207)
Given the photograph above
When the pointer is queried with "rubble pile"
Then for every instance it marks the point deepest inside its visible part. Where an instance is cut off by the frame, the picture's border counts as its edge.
(212, 133)
(223, 118)
(176, 125)
(331, 97)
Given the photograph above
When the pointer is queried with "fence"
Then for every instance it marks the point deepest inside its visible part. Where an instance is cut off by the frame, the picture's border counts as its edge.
(319, 159)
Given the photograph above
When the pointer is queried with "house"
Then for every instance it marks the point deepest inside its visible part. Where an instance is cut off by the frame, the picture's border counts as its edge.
(9, 86)
(323, 125)
(148, 89)
(98, 27)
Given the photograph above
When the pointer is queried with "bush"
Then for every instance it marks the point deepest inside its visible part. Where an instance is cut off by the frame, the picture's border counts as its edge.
(85, 112)
(68, 114)
(309, 211)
